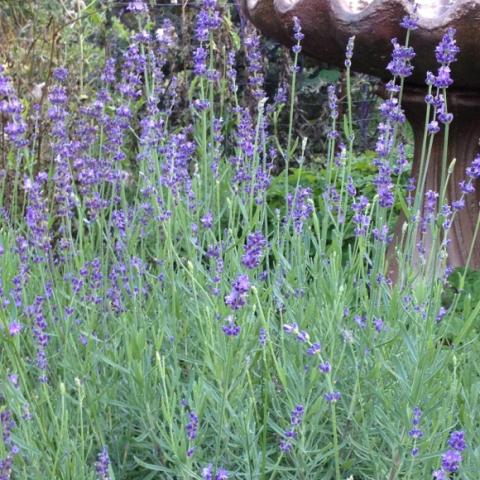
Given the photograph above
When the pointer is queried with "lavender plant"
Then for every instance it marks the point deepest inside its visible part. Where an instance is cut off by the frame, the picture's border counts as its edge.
(155, 301)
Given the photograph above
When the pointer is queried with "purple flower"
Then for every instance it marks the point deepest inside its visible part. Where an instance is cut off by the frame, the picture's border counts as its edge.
(137, 6)
(447, 50)
(237, 297)
(303, 336)
(415, 433)
(442, 311)
(378, 324)
(291, 328)
(332, 397)
(443, 78)
(102, 464)
(192, 426)
(285, 446)
(332, 102)
(296, 419)
(208, 20)
(360, 320)
(440, 475)
(433, 127)
(314, 349)
(231, 329)
(254, 61)
(200, 61)
(325, 367)
(262, 337)
(14, 328)
(400, 65)
(349, 52)
(466, 187)
(222, 474)
(457, 441)
(207, 472)
(8, 424)
(410, 22)
(297, 415)
(256, 243)
(207, 220)
(451, 461)
(300, 206)
(13, 379)
(297, 35)
(473, 171)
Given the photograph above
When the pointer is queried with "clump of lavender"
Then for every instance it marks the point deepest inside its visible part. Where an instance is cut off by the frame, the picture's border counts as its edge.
(102, 464)
(254, 249)
(452, 458)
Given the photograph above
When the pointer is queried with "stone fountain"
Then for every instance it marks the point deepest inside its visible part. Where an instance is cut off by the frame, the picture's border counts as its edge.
(328, 24)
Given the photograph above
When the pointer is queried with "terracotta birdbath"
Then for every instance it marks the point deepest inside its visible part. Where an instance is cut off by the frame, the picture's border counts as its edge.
(328, 24)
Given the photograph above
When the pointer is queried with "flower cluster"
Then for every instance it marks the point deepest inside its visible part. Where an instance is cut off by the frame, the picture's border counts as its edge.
(12, 109)
(296, 419)
(192, 430)
(237, 297)
(312, 350)
(7, 425)
(400, 65)
(333, 108)
(36, 314)
(137, 6)
(298, 36)
(360, 218)
(446, 53)
(415, 432)
(207, 473)
(349, 52)
(254, 249)
(410, 22)
(300, 205)
(102, 464)
(392, 115)
(452, 458)
(208, 20)
(254, 65)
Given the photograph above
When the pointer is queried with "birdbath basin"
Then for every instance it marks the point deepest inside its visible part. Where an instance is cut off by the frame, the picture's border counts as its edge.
(327, 26)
